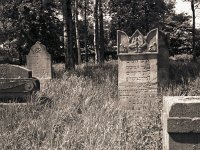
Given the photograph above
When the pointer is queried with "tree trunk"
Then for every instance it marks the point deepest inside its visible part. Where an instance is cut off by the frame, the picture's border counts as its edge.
(68, 44)
(85, 33)
(77, 33)
(101, 33)
(96, 31)
(193, 30)
(146, 10)
(20, 55)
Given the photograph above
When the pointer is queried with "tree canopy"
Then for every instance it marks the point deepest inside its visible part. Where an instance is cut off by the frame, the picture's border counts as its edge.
(24, 22)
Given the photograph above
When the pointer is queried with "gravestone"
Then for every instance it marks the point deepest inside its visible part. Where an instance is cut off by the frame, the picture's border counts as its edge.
(181, 123)
(142, 68)
(39, 62)
(16, 82)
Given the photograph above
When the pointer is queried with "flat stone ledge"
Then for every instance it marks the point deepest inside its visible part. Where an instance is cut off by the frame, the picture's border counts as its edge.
(185, 110)
(183, 125)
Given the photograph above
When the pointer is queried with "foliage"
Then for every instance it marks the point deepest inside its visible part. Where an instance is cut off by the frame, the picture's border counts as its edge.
(178, 29)
(25, 22)
(194, 4)
(131, 15)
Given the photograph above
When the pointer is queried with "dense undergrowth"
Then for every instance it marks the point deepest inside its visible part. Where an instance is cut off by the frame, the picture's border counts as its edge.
(78, 111)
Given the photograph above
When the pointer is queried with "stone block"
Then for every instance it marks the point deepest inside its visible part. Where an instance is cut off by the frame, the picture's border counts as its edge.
(181, 123)
(13, 71)
(16, 82)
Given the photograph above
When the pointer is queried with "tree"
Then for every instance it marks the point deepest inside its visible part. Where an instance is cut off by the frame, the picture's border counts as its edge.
(68, 35)
(25, 22)
(86, 30)
(101, 32)
(138, 14)
(96, 31)
(77, 31)
(194, 5)
(178, 29)
(193, 29)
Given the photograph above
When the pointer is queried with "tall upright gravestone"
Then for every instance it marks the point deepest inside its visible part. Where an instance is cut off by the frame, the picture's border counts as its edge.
(142, 67)
(39, 61)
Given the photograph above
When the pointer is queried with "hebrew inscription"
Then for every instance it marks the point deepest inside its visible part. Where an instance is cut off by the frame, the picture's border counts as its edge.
(137, 83)
(138, 71)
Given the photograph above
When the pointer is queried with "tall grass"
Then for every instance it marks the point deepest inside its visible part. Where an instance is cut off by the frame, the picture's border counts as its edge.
(78, 111)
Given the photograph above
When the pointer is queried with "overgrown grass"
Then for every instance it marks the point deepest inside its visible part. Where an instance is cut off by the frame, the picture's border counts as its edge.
(79, 112)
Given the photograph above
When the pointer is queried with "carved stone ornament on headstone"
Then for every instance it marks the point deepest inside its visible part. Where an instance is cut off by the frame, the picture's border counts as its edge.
(142, 67)
(137, 43)
(181, 123)
(16, 82)
(39, 62)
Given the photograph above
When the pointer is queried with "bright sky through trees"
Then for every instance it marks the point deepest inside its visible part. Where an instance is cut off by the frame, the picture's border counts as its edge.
(184, 7)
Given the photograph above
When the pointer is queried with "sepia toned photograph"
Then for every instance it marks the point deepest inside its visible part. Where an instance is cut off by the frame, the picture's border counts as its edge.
(99, 74)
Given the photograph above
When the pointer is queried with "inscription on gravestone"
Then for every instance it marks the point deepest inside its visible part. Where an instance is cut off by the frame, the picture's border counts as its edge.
(39, 61)
(139, 69)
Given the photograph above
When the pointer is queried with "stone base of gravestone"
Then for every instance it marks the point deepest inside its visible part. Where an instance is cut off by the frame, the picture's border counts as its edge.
(17, 89)
(181, 123)
(141, 130)
(44, 83)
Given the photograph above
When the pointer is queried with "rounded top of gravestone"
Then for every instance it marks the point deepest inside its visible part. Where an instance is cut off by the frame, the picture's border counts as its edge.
(38, 48)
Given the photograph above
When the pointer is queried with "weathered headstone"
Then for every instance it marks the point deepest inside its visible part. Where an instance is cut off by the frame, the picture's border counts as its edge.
(39, 61)
(16, 82)
(181, 123)
(142, 67)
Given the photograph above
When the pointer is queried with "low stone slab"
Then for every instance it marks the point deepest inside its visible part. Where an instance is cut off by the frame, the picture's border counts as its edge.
(16, 82)
(18, 88)
(181, 123)
(185, 110)
(14, 71)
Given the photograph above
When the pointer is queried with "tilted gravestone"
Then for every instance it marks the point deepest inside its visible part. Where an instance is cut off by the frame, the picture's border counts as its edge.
(181, 123)
(142, 67)
(16, 82)
(39, 62)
